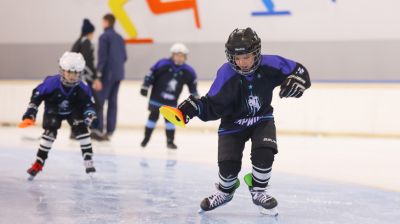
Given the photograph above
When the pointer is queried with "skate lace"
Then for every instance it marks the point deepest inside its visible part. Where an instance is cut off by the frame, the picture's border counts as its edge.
(88, 163)
(261, 196)
(217, 198)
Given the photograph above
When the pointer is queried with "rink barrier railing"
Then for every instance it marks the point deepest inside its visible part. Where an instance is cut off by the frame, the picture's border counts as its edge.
(328, 109)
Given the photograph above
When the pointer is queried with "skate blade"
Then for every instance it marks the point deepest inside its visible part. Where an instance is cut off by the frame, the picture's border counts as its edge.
(91, 175)
(269, 212)
(201, 211)
(30, 178)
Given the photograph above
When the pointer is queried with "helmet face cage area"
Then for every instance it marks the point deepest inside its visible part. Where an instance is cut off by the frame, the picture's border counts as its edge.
(241, 42)
(257, 59)
(179, 58)
(70, 78)
(71, 66)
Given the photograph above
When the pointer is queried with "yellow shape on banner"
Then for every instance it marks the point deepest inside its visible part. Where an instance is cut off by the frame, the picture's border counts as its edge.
(117, 9)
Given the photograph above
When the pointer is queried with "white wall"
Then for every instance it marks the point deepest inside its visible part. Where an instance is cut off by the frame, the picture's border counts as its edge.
(355, 109)
(336, 40)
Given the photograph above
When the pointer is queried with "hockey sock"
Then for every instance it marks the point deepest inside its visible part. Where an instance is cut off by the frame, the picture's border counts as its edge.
(228, 172)
(86, 146)
(226, 185)
(170, 135)
(148, 132)
(45, 144)
(150, 125)
(261, 177)
(262, 160)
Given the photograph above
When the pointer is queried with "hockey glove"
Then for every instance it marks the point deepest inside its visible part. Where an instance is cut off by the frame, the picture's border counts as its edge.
(144, 90)
(30, 112)
(189, 108)
(26, 123)
(88, 117)
(295, 84)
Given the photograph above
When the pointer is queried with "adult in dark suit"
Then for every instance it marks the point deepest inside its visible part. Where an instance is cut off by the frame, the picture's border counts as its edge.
(111, 59)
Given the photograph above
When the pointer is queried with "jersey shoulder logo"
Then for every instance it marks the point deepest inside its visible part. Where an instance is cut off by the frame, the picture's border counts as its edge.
(300, 71)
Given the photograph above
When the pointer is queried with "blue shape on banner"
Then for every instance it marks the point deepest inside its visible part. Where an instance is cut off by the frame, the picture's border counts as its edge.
(270, 10)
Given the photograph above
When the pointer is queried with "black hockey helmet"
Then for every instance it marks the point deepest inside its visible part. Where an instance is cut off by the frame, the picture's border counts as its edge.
(243, 41)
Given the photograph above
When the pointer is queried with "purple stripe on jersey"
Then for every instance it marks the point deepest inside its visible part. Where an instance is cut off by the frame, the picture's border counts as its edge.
(227, 132)
(53, 82)
(86, 89)
(166, 61)
(286, 66)
(161, 63)
(250, 77)
(224, 74)
(49, 84)
(190, 70)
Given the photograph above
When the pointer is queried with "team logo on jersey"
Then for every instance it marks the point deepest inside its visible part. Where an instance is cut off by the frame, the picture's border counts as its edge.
(172, 85)
(253, 104)
(249, 121)
(64, 105)
(168, 96)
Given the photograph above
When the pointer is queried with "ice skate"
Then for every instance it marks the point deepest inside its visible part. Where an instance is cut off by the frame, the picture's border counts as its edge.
(144, 142)
(171, 145)
(89, 167)
(34, 170)
(267, 204)
(217, 199)
(260, 196)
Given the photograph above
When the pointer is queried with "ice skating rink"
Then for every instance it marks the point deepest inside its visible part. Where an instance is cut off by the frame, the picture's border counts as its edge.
(315, 179)
(339, 144)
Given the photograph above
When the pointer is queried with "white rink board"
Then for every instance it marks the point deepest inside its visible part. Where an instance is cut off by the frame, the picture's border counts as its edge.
(368, 109)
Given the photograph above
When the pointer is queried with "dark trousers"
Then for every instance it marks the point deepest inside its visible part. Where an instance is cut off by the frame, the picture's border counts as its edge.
(51, 124)
(109, 93)
(263, 149)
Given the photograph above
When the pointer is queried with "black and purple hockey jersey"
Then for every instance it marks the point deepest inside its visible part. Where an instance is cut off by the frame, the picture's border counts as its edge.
(243, 101)
(167, 81)
(61, 100)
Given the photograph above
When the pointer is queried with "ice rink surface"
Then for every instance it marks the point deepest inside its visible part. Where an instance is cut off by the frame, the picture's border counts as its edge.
(155, 185)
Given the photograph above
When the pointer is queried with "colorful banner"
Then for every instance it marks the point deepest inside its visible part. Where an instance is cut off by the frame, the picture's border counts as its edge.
(199, 21)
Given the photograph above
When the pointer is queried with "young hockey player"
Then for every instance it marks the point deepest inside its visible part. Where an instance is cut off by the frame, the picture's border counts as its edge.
(167, 78)
(66, 97)
(241, 97)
